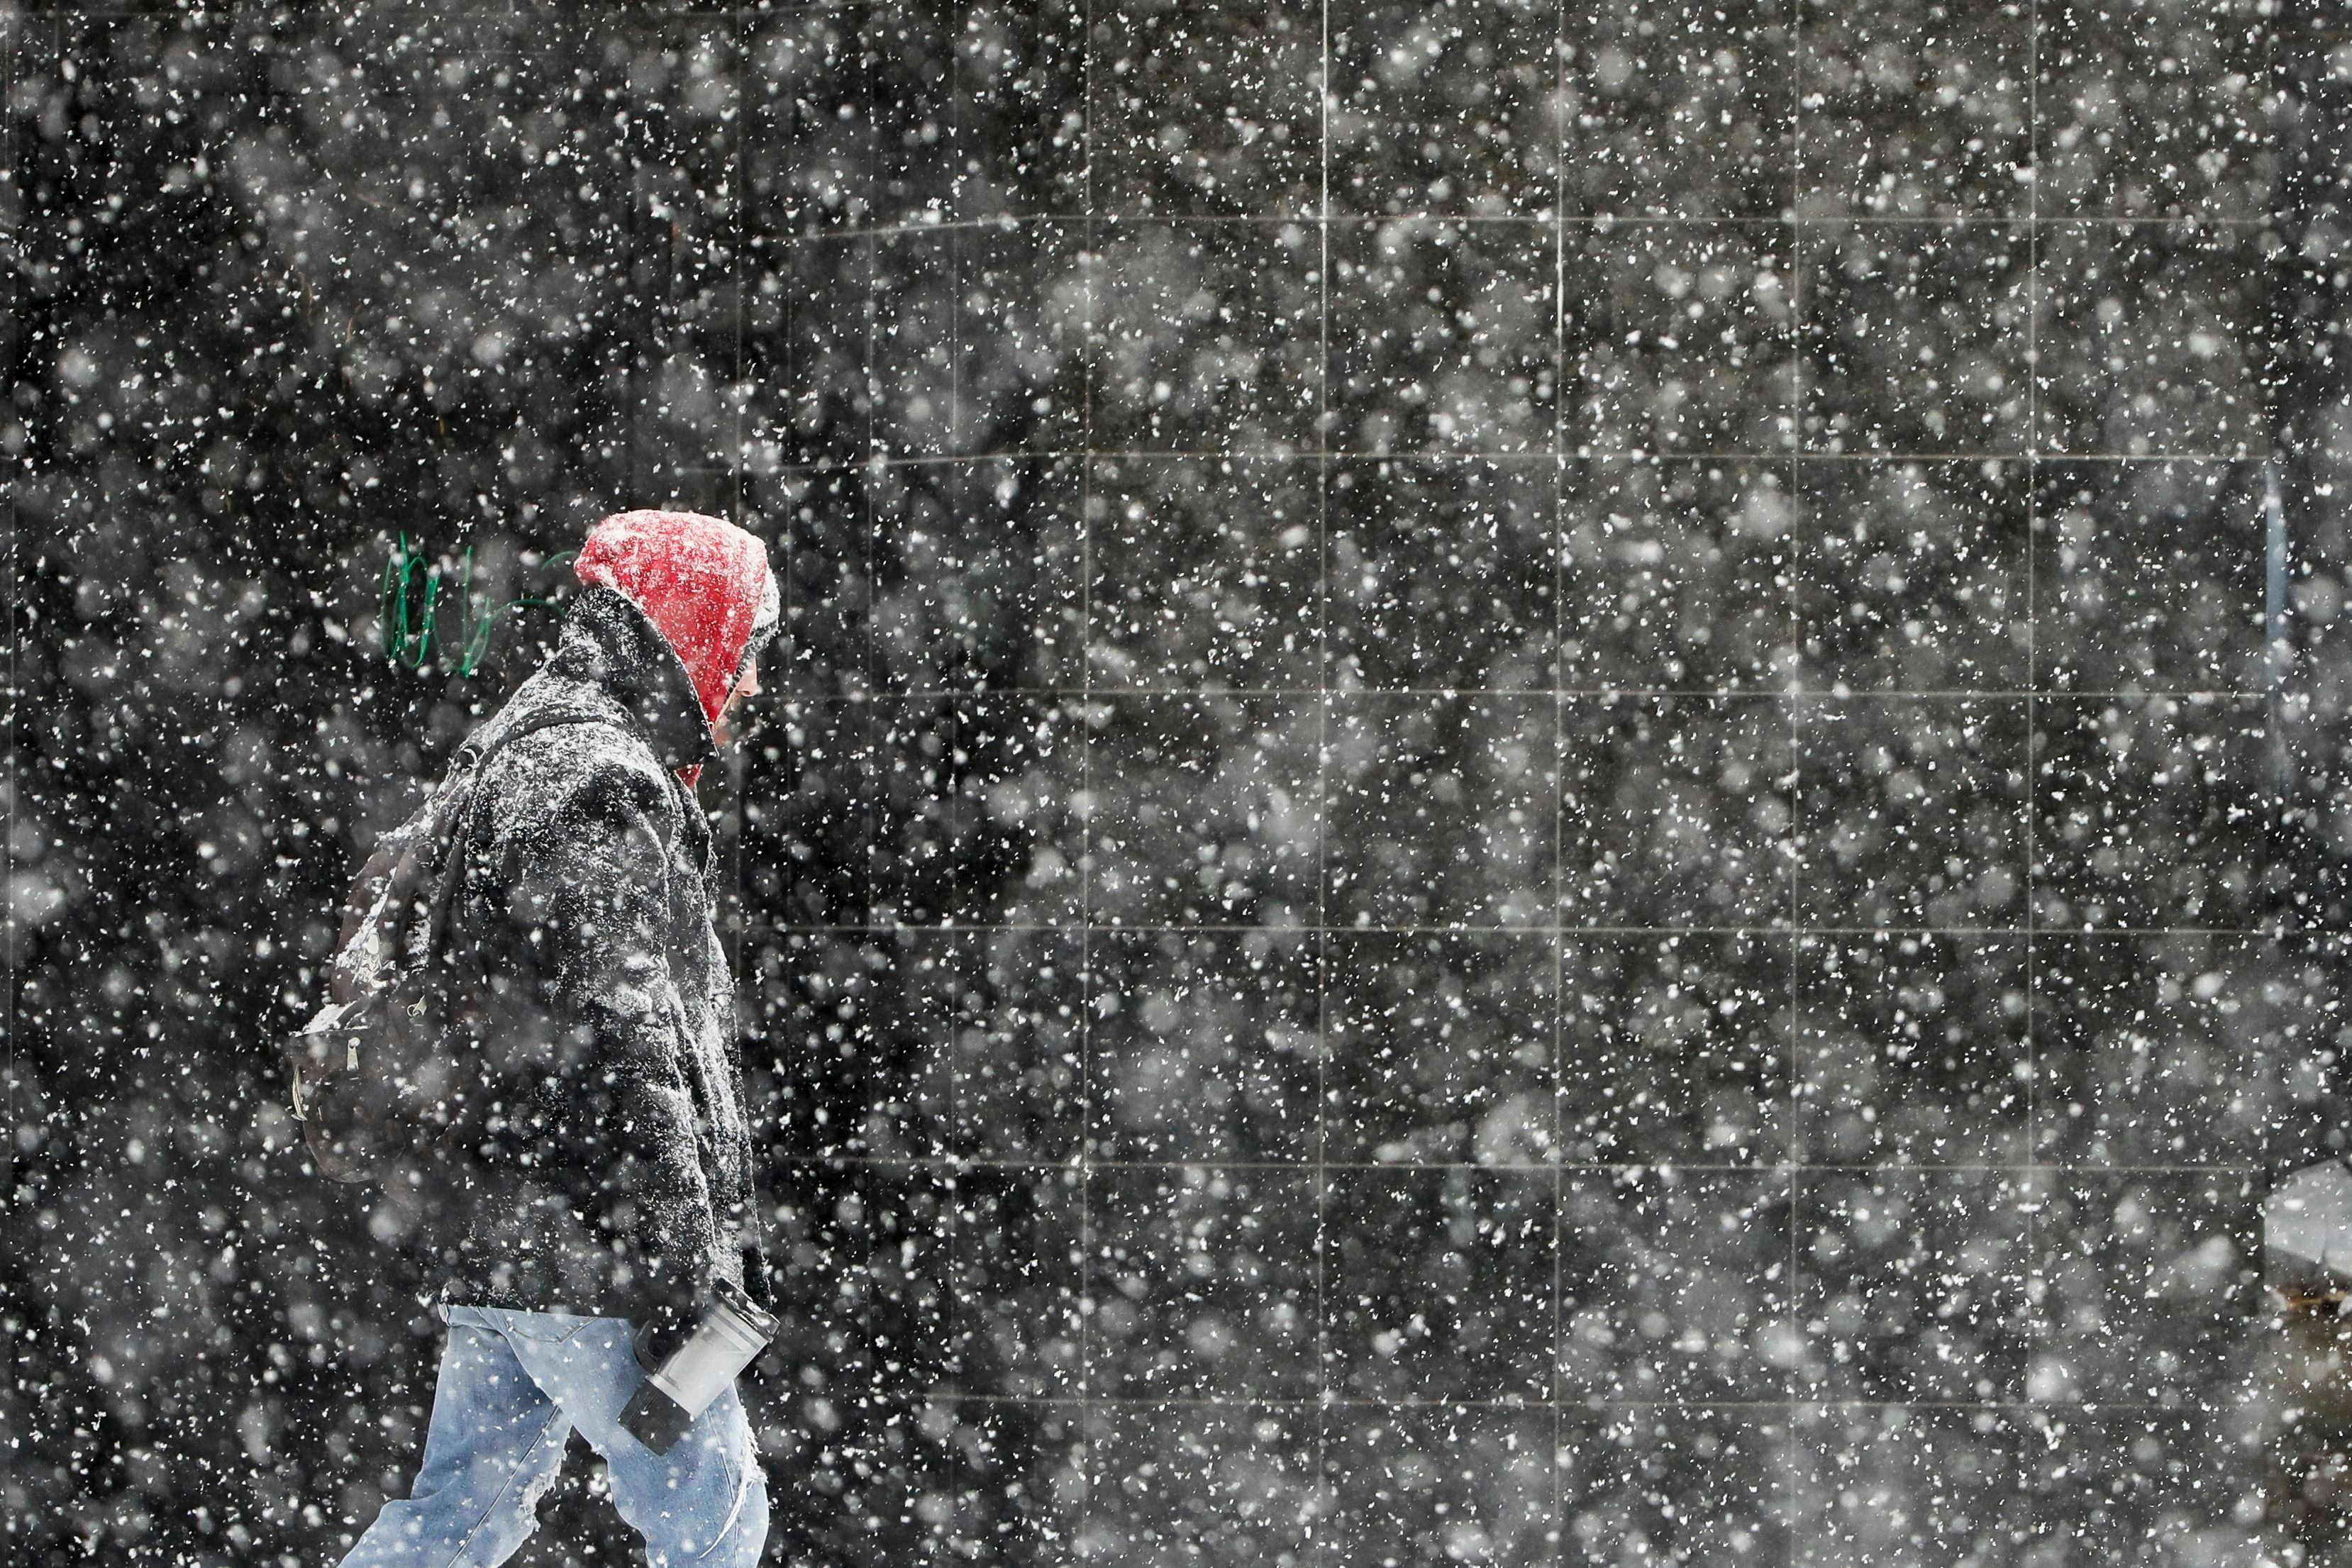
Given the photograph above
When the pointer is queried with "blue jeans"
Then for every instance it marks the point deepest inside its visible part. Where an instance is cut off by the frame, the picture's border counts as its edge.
(512, 1386)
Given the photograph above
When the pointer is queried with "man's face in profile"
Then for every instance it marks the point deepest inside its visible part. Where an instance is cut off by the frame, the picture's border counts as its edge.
(722, 729)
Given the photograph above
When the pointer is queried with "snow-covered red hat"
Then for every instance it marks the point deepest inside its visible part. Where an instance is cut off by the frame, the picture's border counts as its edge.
(705, 584)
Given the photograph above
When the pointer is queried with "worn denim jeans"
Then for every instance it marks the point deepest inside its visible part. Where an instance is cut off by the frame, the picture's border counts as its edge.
(512, 1386)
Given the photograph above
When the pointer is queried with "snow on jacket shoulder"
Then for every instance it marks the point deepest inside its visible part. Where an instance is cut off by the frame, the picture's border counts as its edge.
(597, 1158)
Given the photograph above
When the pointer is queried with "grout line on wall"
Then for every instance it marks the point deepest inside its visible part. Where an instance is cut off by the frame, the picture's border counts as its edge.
(1597, 1167)
(1796, 242)
(1089, 329)
(2249, 698)
(1556, 1464)
(1294, 1402)
(1318, 1528)
(1604, 223)
(2032, 653)
(1630, 456)
(1990, 932)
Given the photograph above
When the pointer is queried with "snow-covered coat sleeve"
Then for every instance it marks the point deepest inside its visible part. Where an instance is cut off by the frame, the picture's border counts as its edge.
(588, 907)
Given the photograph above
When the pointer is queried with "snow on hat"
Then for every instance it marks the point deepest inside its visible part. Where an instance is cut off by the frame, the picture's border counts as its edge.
(705, 584)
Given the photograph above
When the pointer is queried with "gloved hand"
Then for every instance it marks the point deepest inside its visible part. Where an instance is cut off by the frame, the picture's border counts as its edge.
(756, 1283)
(759, 1283)
(657, 1334)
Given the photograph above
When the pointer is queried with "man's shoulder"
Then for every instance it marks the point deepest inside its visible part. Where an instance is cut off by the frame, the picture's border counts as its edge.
(564, 752)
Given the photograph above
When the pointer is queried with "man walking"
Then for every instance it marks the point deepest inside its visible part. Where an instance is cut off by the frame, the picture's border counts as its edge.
(590, 1176)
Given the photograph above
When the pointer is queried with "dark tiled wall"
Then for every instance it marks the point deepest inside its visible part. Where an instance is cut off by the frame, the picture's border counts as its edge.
(1643, 821)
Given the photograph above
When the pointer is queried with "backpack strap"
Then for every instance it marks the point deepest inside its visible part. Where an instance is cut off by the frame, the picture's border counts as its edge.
(451, 822)
(473, 754)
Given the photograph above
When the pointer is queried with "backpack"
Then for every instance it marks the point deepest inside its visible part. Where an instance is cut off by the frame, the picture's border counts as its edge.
(363, 1071)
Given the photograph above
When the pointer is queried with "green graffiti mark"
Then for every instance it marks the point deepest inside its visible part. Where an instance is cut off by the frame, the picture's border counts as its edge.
(413, 602)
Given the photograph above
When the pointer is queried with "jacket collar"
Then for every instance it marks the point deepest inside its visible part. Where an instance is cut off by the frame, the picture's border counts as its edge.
(610, 643)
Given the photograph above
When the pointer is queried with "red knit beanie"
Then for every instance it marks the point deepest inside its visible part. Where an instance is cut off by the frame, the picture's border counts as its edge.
(704, 583)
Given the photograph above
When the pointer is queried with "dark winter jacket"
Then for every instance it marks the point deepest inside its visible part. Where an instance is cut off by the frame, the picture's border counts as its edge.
(596, 1157)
